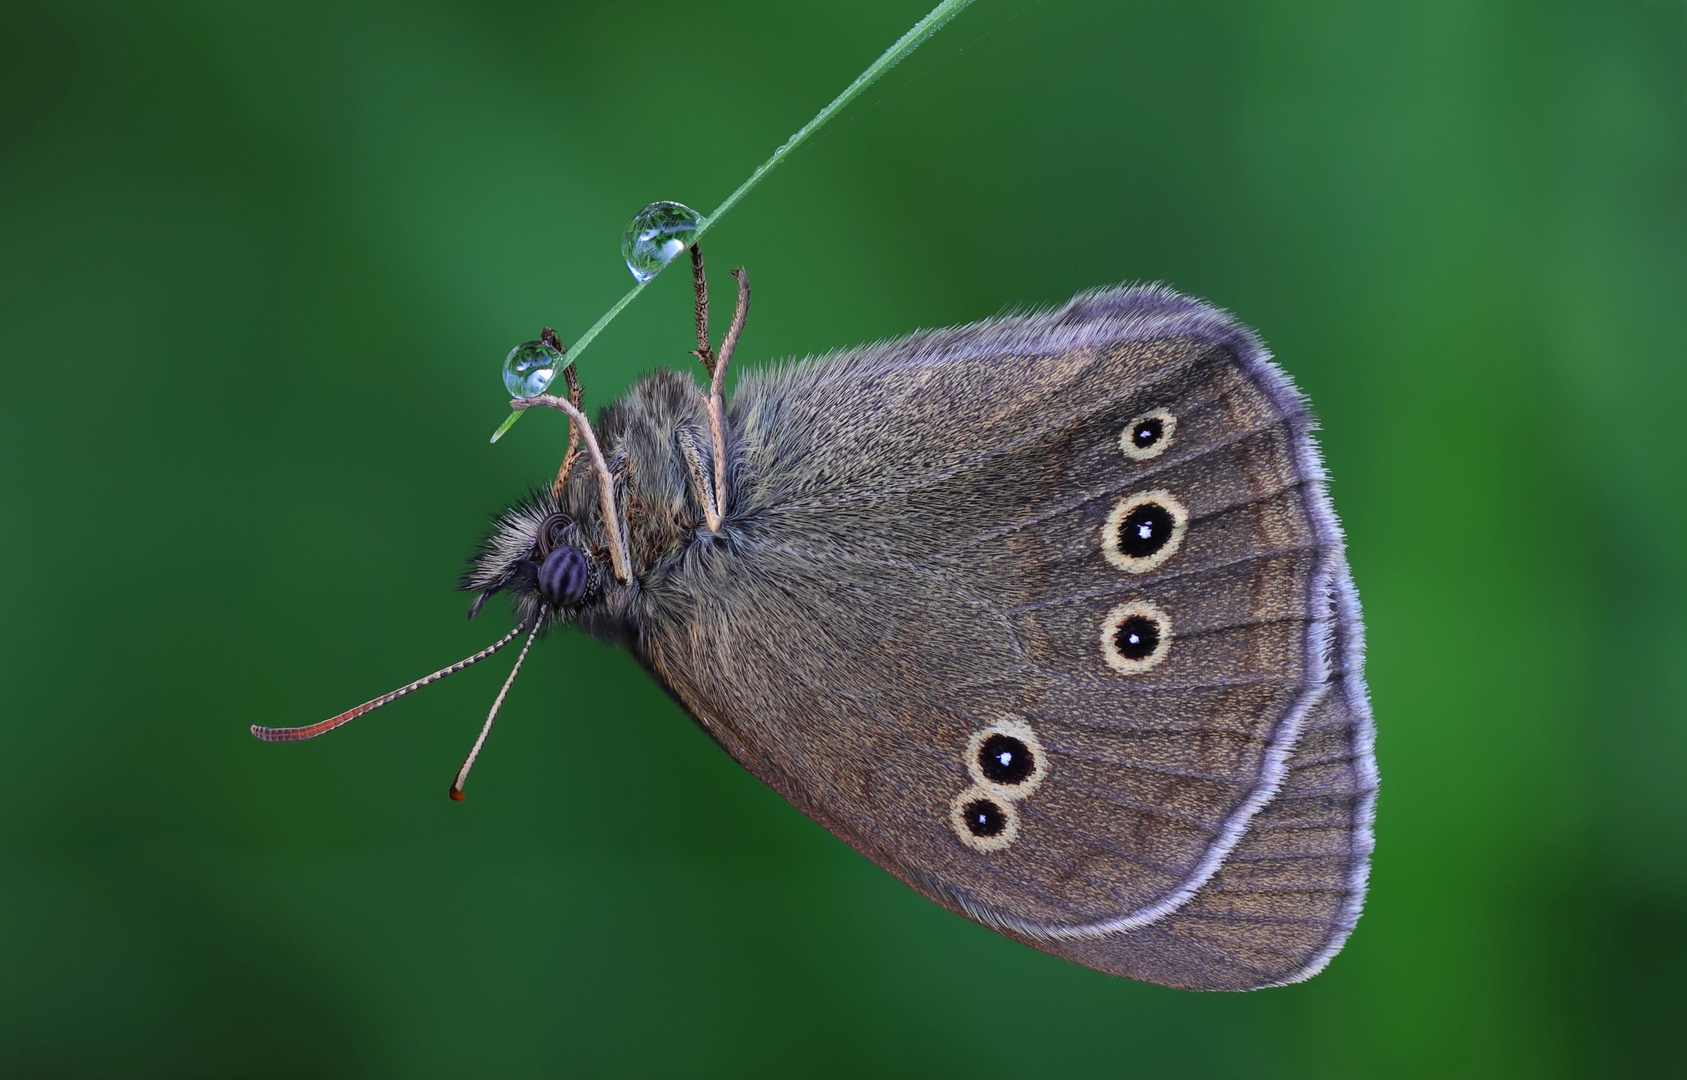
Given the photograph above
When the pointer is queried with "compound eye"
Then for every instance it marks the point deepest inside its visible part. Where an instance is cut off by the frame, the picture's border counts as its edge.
(562, 576)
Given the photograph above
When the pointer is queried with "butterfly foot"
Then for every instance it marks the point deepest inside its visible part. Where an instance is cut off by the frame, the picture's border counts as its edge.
(704, 352)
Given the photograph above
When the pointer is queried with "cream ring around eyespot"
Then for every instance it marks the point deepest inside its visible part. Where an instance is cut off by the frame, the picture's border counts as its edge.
(1014, 728)
(1168, 427)
(986, 844)
(1140, 564)
(1115, 620)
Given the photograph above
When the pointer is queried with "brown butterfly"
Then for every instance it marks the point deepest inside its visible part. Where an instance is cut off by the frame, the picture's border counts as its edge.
(1047, 615)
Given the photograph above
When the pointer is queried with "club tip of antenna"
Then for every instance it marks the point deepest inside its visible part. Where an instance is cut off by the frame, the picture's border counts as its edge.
(455, 792)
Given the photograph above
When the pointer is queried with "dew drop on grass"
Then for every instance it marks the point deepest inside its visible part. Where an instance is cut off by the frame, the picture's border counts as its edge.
(530, 367)
(656, 236)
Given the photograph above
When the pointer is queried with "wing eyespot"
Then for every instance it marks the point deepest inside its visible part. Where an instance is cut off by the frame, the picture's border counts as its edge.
(1148, 436)
(1135, 637)
(1144, 530)
(1007, 758)
(1006, 762)
(983, 821)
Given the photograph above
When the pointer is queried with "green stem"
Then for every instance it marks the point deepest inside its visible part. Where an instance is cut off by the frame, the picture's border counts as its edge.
(892, 56)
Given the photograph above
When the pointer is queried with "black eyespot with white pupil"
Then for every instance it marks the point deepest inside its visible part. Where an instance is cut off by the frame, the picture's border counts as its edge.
(1146, 432)
(1137, 637)
(1004, 759)
(1145, 530)
(984, 818)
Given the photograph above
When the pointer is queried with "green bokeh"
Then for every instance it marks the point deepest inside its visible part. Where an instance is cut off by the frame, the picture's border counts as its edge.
(259, 264)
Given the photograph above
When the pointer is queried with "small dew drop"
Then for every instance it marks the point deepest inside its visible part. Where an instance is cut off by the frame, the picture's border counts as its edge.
(656, 236)
(530, 367)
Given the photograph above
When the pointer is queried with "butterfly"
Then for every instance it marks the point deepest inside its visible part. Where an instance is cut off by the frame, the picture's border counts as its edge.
(1047, 615)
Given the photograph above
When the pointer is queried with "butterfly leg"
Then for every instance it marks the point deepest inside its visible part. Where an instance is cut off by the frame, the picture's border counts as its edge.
(605, 481)
(704, 352)
(701, 487)
(717, 379)
(576, 397)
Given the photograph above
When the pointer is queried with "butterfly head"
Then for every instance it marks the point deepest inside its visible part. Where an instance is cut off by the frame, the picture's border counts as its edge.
(535, 552)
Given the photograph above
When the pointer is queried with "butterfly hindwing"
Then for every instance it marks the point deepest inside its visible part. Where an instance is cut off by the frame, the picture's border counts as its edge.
(1040, 665)
(1288, 895)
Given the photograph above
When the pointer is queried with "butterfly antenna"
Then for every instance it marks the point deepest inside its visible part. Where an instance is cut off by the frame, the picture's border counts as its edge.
(456, 791)
(298, 734)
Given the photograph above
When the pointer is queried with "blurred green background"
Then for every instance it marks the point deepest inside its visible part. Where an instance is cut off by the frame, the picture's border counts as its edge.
(259, 264)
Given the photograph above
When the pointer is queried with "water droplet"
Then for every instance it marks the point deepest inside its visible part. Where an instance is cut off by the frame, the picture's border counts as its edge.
(656, 235)
(530, 367)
